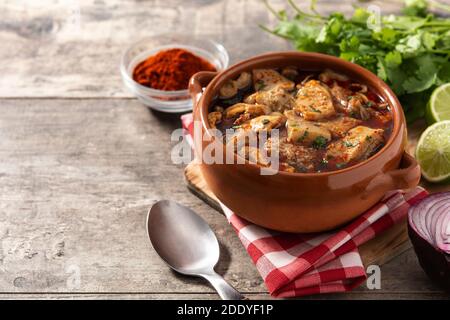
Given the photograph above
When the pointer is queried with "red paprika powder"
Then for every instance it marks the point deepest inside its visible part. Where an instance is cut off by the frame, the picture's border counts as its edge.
(170, 69)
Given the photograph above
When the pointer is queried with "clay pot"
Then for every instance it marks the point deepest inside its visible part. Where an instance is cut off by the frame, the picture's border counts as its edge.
(304, 202)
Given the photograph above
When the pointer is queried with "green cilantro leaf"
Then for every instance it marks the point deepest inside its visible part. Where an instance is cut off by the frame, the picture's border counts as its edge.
(410, 51)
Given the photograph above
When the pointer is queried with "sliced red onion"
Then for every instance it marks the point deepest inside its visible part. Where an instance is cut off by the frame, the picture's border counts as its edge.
(429, 231)
(430, 219)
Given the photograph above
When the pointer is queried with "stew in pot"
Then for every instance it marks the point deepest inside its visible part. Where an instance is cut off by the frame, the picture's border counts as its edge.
(325, 120)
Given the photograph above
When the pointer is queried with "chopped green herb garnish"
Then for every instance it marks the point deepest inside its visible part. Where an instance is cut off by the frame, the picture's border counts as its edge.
(349, 144)
(323, 164)
(320, 142)
(260, 85)
(349, 98)
(340, 165)
(235, 127)
(314, 109)
(369, 138)
(300, 168)
(410, 51)
(265, 121)
(369, 104)
(303, 136)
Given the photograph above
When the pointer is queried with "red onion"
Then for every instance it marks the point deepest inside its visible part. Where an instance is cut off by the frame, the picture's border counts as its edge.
(429, 231)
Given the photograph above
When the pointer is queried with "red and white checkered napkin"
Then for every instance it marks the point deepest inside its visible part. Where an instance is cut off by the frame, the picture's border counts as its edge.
(294, 265)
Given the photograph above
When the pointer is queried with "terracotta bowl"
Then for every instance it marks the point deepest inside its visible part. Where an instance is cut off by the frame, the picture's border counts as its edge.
(304, 202)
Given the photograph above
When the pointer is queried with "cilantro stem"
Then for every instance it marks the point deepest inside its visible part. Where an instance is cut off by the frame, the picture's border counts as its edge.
(440, 51)
(272, 10)
(436, 24)
(305, 14)
(312, 7)
(263, 27)
(441, 29)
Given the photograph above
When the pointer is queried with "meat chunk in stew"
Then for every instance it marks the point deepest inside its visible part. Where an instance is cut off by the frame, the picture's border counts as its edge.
(299, 158)
(314, 101)
(359, 143)
(329, 75)
(243, 112)
(324, 121)
(340, 96)
(255, 155)
(267, 79)
(268, 122)
(276, 98)
(306, 132)
(214, 118)
(357, 106)
(341, 125)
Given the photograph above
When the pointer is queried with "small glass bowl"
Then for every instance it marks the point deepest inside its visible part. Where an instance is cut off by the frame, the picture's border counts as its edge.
(168, 101)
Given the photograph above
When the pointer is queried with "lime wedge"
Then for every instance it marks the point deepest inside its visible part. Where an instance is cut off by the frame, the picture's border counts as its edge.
(438, 108)
(433, 152)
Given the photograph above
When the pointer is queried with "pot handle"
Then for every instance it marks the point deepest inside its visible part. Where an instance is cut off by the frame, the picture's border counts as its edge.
(408, 174)
(196, 84)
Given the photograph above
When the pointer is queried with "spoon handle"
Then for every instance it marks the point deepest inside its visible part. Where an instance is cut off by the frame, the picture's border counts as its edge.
(223, 288)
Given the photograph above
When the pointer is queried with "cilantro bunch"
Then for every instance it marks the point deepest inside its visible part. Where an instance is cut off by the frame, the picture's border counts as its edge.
(410, 51)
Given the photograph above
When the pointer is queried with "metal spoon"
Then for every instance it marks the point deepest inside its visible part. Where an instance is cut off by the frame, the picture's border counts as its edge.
(187, 244)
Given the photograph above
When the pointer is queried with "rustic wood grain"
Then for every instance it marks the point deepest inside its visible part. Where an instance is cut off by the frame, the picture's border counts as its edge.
(211, 296)
(81, 161)
(77, 178)
(48, 50)
(49, 56)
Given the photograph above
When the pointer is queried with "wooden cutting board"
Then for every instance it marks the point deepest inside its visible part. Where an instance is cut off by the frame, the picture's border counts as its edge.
(379, 250)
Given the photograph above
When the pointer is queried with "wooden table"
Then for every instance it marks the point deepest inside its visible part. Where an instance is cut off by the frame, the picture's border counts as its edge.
(81, 161)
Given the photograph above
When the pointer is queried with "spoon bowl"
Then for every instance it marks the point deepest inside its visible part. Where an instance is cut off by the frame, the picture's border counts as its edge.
(171, 222)
(187, 244)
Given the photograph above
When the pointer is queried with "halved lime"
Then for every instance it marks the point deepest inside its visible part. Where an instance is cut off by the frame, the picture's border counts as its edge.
(438, 108)
(433, 152)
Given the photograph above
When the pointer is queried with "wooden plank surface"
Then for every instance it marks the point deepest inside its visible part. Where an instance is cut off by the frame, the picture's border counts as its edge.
(48, 50)
(81, 161)
(77, 178)
(355, 295)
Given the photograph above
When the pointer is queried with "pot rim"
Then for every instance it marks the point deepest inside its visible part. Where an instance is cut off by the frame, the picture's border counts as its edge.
(380, 87)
